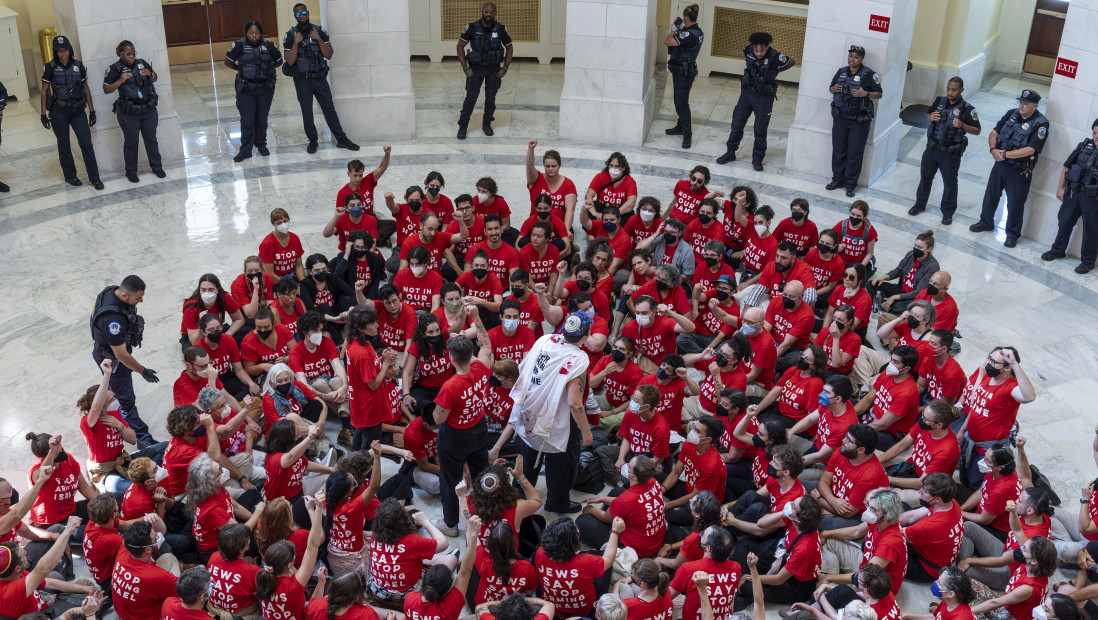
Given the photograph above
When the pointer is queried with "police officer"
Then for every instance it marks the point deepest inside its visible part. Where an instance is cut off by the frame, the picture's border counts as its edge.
(254, 59)
(1078, 190)
(683, 45)
(135, 108)
(308, 50)
(3, 104)
(758, 87)
(64, 94)
(489, 44)
(951, 118)
(116, 329)
(1015, 143)
(852, 89)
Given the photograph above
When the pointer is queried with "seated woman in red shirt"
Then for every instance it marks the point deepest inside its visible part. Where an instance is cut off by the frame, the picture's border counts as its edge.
(232, 577)
(208, 297)
(398, 554)
(850, 292)
(588, 574)
(648, 598)
(286, 463)
(543, 212)
(286, 398)
(1001, 484)
(280, 588)
(501, 569)
(1028, 585)
(281, 251)
(797, 391)
(840, 343)
(426, 363)
(56, 502)
(442, 597)
(277, 525)
(346, 600)
(494, 500)
(104, 432)
(345, 517)
(211, 508)
(955, 590)
(516, 607)
(266, 345)
(795, 579)
(19, 587)
(287, 305)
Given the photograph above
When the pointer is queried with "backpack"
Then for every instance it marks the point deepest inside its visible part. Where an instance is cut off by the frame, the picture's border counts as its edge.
(591, 476)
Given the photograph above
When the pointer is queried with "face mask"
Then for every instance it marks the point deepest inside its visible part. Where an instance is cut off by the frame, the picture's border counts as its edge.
(480, 274)
(361, 253)
(748, 331)
(198, 432)
(453, 305)
(208, 298)
(647, 216)
(482, 197)
(544, 215)
(634, 407)
(583, 285)
(912, 322)
(935, 589)
(433, 191)
(283, 228)
(517, 292)
(617, 356)
(414, 205)
(589, 312)
(670, 238)
(923, 424)
(224, 476)
(321, 276)
(824, 400)
(494, 381)
(643, 320)
(711, 263)
(869, 516)
(510, 324)
(931, 290)
(772, 471)
(433, 339)
(787, 510)
(704, 218)
(856, 221)
(161, 473)
(722, 411)
(418, 270)
(214, 337)
(1039, 613)
(614, 172)
(355, 211)
(62, 457)
(788, 303)
(760, 229)
(693, 437)
(662, 286)
(284, 389)
(802, 364)
(983, 466)
(925, 504)
(1019, 557)
(840, 326)
(661, 374)
(609, 227)
(797, 216)
(757, 441)
(892, 370)
(264, 333)
(316, 338)
(917, 253)
(992, 371)
(824, 249)
(625, 471)
(722, 295)
(721, 360)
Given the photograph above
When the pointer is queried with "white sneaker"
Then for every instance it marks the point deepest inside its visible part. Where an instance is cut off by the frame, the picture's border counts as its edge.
(450, 531)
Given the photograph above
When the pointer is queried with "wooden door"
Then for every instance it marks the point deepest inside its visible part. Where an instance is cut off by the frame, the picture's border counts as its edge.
(227, 19)
(201, 30)
(1044, 36)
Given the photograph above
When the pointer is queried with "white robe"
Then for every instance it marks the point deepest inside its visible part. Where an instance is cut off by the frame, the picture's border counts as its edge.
(541, 413)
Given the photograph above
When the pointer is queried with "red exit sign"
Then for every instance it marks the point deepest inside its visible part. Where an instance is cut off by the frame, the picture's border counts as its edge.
(1066, 68)
(879, 23)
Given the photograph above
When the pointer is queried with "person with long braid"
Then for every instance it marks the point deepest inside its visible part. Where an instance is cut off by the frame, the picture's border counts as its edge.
(345, 517)
(346, 600)
(280, 586)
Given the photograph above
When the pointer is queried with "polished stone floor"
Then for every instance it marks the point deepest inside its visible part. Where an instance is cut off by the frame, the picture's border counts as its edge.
(62, 245)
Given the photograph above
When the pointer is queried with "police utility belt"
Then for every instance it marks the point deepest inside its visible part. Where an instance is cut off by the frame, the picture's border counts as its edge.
(486, 57)
(64, 105)
(688, 68)
(949, 149)
(317, 75)
(242, 85)
(130, 106)
(764, 90)
(860, 117)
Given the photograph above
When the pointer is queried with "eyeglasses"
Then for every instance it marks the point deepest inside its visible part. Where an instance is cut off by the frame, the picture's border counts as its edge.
(851, 278)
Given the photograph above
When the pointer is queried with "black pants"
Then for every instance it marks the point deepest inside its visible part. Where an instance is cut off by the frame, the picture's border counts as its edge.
(915, 570)
(458, 447)
(677, 516)
(233, 385)
(365, 437)
(307, 88)
(1005, 178)
(121, 384)
(761, 106)
(888, 289)
(1078, 205)
(593, 532)
(841, 596)
(949, 164)
(561, 469)
(143, 123)
(682, 85)
(254, 107)
(848, 138)
(61, 121)
(486, 75)
(788, 360)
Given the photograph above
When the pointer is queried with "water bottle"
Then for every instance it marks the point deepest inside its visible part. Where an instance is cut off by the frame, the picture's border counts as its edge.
(878, 299)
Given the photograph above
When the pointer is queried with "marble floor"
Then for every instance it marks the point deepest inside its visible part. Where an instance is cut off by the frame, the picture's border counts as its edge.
(62, 245)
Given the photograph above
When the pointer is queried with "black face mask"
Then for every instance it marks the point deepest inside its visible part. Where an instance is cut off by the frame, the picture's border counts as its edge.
(321, 277)
(264, 333)
(917, 253)
(480, 274)
(1019, 557)
(992, 371)
(583, 285)
(214, 337)
(704, 219)
(670, 238)
(923, 424)
(433, 339)
(722, 412)
(494, 381)
(662, 286)
(802, 364)
(931, 290)
(856, 221)
(712, 262)
(721, 360)
(912, 322)
(757, 441)
(517, 292)
(617, 356)
(840, 326)
(722, 295)
(771, 471)
(361, 253)
(824, 249)
(61, 457)
(798, 216)
(255, 276)
(544, 215)
(414, 205)
(662, 375)
(788, 303)
(924, 503)
(284, 389)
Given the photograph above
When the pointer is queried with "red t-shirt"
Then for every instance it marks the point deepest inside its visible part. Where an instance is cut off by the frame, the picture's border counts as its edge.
(270, 411)
(775, 281)
(735, 378)
(854, 245)
(177, 457)
(399, 566)
(289, 319)
(641, 506)
(193, 310)
(463, 395)
(1040, 529)
(433, 370)
(921, 345)
(948, 381)
(800, 395)
(797, 323)
(363, 366)
(852, 482)
(242, 287)
(676, 297)
(486, 290)
(698, 235)
(253, 349)
(513, 347)
(995, 493)
(541, 267)
(101, 545)
(497, 206)
(901, 399)
(659, 609)
(729, 441)
(888, 545)
(735, 236)
(104, 443)
(703, 275)
(764, 354)
(348, 521)
(443, 208)
(185, 390)
(991, 409)
(138, 588)
(831, 428)
(446, 608)
(555, 221)
(932, 456)
(438, 244)
(137, 502)
(491, 587)
(500, 261)
(287, 602)
(316, 363)
(653, 436)
(656, 340)
(805, 236)
(1019, 578)
(945, 313)
(407, 223)
(608, 194)
(421, 441)
(824, 271)
(395, 331)
(707, 323)
(417, 292)
(759, 251)
(14, 599)
(476, 235)
(887, 609)
(778, 498)
(685, 202)
(849, 343)
(541, 186)
(671, 396)
(224, 356)
(57, 499)
(232, 584)
(283, 258)
(318, 610)
(569, 585)
(212, 513)
(598, 298)
(638, 231)
(283, 482)
(620, 384)
(703, 471)
(961, 612)
(345, 226)
(937, 538)
(859, 300)
(365, 189)
(724, 580)
(173, 609)
(804, 558)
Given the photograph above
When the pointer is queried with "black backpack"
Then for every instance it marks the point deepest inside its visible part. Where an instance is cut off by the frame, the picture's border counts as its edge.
(590, 477)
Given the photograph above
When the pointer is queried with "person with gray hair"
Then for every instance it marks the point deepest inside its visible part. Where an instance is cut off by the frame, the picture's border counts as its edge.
(241, 432)
(884, 542)
(669, 240)
(610, 607)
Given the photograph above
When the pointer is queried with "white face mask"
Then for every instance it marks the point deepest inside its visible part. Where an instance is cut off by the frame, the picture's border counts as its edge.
(283, 228)
(760, 229)
(224, 475)
(161, 474)
(647, 216)
(510, 324)
(983, 466)
(417, 271)
(316, 338)
(787, 510)
(869, 516)
(614, 172)
(644, 320)
(693, 437)
(634, 407)
(482, 197)
(892, 370)
(625, 471)
(1039, 613)
(209, 298)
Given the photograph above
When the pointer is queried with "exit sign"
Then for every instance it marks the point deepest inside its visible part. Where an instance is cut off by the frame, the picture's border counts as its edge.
(1066, 68)
(879, 23)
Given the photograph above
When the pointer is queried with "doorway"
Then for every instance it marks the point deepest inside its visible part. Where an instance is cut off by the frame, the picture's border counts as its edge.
(202, 30)
(1044, 36)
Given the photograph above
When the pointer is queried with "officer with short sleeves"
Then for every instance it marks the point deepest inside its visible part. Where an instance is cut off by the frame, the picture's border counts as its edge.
(116, 329)
(683, 46)
(308, 49)
(1015, 144)
(65, 94)
(853, 90)
(3, 104)
(1078, 190)
(489, 45)
(254, 59)
(758, 87)
(133, 78)
(951, 120)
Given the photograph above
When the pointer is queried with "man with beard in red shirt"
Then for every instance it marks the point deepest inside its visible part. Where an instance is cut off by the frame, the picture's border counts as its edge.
(850, 475)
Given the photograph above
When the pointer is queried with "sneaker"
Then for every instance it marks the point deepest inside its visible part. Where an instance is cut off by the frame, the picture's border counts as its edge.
(132, 176)
(674, 131)
(239, 157)
(448, 530)
(727, 157)
(75, 182)
(344, 143)
(1050, 255)
(1010, 242)
(487, 129)
(264, 151)
(1084, 268)
(311, 148)
(462, 131)
(345, 437)
(834, 185)
(4, 188)
(947, 220)
(916, 210)
(979, 227)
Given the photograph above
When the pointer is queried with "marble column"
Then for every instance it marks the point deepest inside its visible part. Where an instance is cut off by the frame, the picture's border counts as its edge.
(371, 74)
(1071, 105)
(95, 28)
(833, 26)
(608, 93)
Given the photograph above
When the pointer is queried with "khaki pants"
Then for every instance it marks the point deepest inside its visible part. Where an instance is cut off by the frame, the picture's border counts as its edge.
(169, 563)
(250, 466)
(648, 366)
(325, 387)
(867, 366)
(754, 389)
(841, 556)
(252, 611)
(692, 409)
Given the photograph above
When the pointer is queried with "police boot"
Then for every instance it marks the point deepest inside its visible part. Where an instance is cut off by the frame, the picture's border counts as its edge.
(674, 131)
(462, 130)
(486, 127)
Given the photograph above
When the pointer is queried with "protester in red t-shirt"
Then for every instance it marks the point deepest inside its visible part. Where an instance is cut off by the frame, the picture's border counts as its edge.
(246, 289)
(104, 432)
(1028, 582)
(940, 376)
(797, 228)
(641, 506)
(934, 449)
(827, 268)
(703, 230)
(1001, 484)
(884, 543)
(651, 602)
(281, 250)
(345, 511)
(281, 588)
(851, 293)
(209, 298)
(101, 538)
(347, 600)
(192, 591)
(699, 468)
(441, 595)
(991, 402)
(829, 421)
(613, 186)
(56, 502)
(688, 195)
(797, 391)
(857, 238)
(935, 530)
(852, 472)
(893, 397)
(795, 579)
(397, 553)
(139, 587)
(936, 292)
(349, 217)
(655, 330)
(567, 577)
(760, 246)
(724, 576)
(560, 189)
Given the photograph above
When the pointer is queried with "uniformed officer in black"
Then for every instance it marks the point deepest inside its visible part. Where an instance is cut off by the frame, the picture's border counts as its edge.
(489, 45)
(951, 119)
(308, 50)
(1078, 190)
(254, 59)
(1015, 144)
(116, 329)
(135, 108)
(853, 90)
(683, 46)
(3, 104)
(758, 87)
(65, 93)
